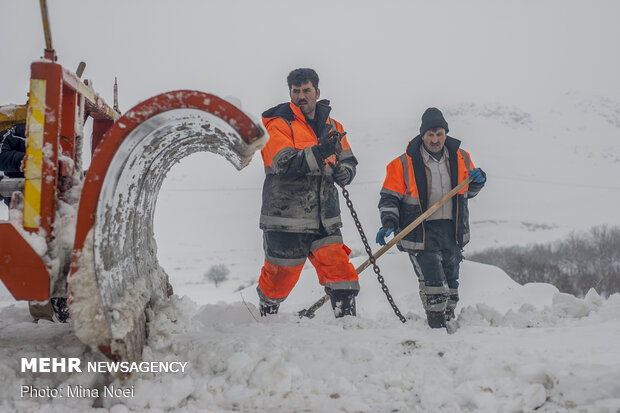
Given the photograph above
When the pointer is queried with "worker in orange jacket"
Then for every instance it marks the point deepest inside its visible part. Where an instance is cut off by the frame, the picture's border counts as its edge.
(300, 215)
(432, 165)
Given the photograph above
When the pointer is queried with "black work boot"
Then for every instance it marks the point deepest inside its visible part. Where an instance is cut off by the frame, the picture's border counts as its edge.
(61, 310)
(343, 301)
(436, 319)
(268, 308)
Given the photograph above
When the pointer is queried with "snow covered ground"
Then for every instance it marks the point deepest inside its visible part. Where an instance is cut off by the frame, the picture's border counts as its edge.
(517, 348)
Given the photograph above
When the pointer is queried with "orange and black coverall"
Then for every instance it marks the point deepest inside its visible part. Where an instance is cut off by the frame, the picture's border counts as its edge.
(300, 214)
(434, 247)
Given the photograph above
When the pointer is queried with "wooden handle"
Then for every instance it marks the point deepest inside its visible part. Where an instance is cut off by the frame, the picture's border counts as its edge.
(415, 223)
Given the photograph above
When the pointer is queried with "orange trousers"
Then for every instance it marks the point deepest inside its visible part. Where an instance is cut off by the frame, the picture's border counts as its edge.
(286, 254)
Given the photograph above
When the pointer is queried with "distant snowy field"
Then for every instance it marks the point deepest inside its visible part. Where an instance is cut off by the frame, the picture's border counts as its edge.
(518, 348)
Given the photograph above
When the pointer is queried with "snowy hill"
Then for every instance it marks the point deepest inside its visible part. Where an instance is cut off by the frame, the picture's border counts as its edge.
(550, 170)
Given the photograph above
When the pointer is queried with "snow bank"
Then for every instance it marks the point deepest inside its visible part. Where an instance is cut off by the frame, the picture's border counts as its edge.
(552, 353)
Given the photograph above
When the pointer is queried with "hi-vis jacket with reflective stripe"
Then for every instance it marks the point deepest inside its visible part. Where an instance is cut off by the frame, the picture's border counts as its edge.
(405, 192)
(299, 194)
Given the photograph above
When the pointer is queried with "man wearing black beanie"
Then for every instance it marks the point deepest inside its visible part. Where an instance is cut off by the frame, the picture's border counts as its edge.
(432, 165)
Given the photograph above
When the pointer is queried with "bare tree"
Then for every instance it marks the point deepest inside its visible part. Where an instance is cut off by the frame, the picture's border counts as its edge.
(217, 273)
(574, 265)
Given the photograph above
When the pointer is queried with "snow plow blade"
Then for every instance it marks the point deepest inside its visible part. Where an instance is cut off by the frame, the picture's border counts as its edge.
(21, 269)
(115, 275)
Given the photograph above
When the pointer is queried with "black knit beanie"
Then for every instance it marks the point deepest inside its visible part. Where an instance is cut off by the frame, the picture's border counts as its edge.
(431, 119)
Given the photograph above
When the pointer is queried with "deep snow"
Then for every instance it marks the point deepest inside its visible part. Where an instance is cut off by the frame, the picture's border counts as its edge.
(518, 348)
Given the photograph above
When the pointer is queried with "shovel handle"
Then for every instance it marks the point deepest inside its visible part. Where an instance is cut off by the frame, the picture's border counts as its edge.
(415, 223)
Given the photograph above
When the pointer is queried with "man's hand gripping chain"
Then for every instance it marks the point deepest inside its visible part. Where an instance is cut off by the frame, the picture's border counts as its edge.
(340, 173)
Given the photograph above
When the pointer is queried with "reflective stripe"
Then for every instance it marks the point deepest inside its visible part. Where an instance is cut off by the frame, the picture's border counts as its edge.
(436, 307)
(405, 163)
(328, 222)
(467, 160)
(410, 245)
(436, 289)
(345, 154)
(332, 239)
(285, 262)
(34, 154)
(416, 266)
(420, 274)
(411, 200)
(343, 285)
(291, 223)
(453, 298)
(389, 209)
(290, 126)
(269, 170)
(277, 157)
(390, 192)
(311, 161)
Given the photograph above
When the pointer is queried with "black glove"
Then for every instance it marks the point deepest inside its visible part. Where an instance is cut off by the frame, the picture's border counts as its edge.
(331, 144)
(342, 175)
(327, 147)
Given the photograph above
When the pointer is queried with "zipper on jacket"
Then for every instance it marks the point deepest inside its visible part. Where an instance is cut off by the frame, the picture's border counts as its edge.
(423, 230)
(456, 222)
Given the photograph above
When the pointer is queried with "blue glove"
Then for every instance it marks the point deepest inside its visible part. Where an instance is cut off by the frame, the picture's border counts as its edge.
(477, 175)
(383, 232)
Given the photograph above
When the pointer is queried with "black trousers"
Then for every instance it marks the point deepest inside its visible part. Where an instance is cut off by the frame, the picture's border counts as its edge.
(437, 266)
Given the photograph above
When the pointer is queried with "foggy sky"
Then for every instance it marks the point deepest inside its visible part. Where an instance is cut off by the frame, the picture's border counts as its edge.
(376, 59)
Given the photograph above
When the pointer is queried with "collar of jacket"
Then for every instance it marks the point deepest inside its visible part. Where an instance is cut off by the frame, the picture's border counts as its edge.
(419, 171)
(291, 112)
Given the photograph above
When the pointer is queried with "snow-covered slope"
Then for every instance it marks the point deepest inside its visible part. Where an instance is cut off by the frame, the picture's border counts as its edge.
(551, 170)
(518, 348)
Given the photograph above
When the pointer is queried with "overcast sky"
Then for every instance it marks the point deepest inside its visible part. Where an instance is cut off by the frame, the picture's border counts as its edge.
(376, 59)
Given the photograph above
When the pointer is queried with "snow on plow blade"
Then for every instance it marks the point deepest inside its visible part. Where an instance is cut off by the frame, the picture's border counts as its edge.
(115, 273)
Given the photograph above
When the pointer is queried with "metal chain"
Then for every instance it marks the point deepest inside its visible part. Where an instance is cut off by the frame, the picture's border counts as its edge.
(372, 260)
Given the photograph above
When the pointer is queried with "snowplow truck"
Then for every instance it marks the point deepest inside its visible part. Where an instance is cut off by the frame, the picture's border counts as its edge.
(88, 234)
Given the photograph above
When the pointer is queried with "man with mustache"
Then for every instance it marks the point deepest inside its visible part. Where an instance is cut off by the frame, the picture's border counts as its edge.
(432, 165)
(300, 215)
